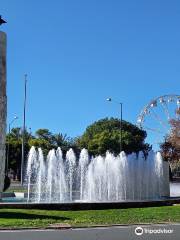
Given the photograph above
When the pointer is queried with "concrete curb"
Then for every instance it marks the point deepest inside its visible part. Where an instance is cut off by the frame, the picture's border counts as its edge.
(64, 227)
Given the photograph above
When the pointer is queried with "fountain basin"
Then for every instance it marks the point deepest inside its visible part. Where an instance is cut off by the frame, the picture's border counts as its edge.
(91, 205)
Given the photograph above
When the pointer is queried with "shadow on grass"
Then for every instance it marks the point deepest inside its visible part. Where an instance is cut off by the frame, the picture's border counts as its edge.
(13, 215)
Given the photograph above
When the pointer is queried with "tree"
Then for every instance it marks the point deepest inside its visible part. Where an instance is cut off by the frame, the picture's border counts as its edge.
(46, 140)
(104, 135)
(64, 142)
(43, 139)
(171, 147)
(14, 143)
(45, 134)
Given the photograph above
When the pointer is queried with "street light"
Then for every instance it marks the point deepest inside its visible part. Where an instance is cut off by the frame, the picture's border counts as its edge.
(121, 109)
(7, 158)
(24, 127)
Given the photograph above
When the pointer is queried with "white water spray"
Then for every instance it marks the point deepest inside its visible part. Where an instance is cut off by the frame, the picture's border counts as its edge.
(109, 178)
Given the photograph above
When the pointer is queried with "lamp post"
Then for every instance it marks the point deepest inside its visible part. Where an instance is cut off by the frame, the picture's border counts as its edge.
(24, 127)
(7, 158)
(121, 113)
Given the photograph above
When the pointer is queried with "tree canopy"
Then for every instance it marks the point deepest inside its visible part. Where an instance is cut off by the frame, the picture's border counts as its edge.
(43, 138)
(104, 135)
(99, 137)
(14, 145)
(171, 147)
(47, 140)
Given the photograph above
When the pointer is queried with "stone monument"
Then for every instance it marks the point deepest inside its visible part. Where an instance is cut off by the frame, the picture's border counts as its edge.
(3, 108)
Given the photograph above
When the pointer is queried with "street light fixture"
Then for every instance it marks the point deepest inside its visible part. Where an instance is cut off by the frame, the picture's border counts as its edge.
(121, 110)
(7, 158)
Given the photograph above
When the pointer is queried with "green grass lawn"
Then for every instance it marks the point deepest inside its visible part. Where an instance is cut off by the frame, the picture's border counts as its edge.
(16, 189)
(14, 218)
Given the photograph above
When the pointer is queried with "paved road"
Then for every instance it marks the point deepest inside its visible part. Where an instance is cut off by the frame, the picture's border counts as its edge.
(155, 232)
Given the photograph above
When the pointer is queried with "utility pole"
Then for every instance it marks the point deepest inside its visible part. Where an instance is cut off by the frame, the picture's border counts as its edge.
(23, 128)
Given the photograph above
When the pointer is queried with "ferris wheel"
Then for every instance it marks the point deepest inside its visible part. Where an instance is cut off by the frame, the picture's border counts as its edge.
(155, 117)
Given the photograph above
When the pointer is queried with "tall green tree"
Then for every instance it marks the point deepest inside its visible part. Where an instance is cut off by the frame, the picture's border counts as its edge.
(170, 148)
(47, 140)
(104, 135)
(14, 149)
(43, 139)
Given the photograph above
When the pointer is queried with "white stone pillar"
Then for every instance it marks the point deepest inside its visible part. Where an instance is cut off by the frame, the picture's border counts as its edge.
(3, 108)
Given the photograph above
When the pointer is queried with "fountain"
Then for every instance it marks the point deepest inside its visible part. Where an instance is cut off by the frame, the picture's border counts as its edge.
(106, 178)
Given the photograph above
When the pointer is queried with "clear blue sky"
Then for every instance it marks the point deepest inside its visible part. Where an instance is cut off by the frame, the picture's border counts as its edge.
(77, 53)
